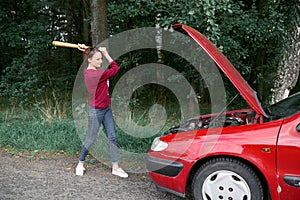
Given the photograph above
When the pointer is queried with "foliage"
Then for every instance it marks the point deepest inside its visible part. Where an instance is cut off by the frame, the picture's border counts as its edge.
(252, 35)
(38, 77)
(30, 69)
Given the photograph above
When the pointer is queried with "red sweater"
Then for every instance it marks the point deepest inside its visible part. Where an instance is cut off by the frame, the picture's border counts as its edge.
(96, 82)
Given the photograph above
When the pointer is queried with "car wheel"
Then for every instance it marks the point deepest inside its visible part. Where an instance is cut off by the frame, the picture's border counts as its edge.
(226, 179)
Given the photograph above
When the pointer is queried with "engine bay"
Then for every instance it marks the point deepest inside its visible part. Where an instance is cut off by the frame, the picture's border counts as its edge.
(232, 118)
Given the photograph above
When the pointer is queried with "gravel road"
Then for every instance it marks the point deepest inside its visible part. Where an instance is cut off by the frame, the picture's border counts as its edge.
(52, 177)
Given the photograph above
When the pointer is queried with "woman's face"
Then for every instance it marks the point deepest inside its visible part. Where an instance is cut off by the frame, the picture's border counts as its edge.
(95, 60)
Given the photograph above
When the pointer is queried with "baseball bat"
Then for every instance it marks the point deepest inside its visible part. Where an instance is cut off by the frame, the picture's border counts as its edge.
(65, 44)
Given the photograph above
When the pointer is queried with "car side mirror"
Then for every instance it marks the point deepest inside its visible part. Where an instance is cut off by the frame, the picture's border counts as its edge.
(298, 128)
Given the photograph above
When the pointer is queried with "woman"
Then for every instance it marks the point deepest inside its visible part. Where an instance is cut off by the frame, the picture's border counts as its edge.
(96, 82)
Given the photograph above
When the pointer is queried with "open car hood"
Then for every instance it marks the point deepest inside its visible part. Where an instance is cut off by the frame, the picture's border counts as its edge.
(225, 65)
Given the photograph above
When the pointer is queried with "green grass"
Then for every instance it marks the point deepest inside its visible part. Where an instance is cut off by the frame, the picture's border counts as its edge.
(31, 131)
(26, 132)
(31, 135)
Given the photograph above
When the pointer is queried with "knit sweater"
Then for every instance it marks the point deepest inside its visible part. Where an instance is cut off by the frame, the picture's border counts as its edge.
(96, 82)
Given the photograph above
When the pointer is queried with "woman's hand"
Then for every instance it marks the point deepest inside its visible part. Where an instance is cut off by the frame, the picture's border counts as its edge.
(104, 52)
(82, 47)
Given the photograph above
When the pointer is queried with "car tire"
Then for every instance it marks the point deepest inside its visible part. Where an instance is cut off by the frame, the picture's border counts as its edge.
(226, 178)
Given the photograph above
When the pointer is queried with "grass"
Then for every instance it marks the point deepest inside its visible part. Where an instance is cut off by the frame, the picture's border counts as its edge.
(39, 136)
(26, 135)
(33, 134)
(30, 131)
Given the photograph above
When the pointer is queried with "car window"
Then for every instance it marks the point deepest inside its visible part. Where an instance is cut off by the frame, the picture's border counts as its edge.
(286, 107)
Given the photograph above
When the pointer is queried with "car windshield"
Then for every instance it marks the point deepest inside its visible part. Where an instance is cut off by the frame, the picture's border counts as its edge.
(286, 107)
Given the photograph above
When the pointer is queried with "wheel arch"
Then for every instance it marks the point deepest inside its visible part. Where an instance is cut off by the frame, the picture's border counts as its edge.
(201, 162)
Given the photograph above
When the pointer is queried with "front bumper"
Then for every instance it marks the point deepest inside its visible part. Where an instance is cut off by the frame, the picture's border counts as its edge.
(163, 167)
(168, 175)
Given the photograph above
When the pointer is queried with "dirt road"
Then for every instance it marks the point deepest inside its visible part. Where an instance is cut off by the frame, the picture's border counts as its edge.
(52, 177)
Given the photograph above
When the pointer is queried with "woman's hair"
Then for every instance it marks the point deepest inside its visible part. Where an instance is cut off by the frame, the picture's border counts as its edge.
(88, 53)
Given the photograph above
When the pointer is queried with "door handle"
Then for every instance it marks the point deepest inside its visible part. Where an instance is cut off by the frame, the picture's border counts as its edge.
(292, 180)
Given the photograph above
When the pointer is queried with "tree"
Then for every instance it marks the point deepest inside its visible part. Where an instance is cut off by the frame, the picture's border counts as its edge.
(251, 34)
(99, 21)
(289, 66)
(35, 73)
(85, 21)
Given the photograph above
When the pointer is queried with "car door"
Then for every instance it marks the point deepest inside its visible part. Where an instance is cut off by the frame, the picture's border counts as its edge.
(288, 159)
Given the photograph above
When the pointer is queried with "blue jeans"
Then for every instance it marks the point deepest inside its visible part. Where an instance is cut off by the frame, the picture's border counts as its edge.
(96, 117)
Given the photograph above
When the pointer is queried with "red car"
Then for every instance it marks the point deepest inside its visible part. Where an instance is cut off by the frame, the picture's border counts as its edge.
(254, 155)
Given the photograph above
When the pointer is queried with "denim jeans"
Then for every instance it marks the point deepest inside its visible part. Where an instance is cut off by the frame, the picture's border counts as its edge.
(96, 117)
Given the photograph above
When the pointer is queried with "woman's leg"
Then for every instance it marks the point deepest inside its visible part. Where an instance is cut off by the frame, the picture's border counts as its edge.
(93, 128)
(109, 126)
(83, 153)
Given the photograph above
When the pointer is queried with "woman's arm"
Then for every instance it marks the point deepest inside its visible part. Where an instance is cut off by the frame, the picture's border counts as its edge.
(103, 50)
(105, 54)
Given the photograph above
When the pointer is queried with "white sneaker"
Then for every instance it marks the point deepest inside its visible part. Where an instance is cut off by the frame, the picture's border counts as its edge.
(119, 172)
(79, 171)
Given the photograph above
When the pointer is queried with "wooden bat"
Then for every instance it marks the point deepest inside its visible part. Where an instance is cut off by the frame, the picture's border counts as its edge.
(65, 44)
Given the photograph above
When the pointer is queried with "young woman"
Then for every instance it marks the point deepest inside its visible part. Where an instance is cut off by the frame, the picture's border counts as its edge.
(96, 82)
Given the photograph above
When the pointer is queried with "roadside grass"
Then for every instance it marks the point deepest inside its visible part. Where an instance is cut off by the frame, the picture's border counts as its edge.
(38, 136)
(34, 134)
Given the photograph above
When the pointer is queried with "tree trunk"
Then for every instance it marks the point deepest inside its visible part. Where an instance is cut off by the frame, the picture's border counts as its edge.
(69, 28)
(99, 21)
(259, 57)
(158, 39)
(288, 71)
(85, 13)
(161, 97)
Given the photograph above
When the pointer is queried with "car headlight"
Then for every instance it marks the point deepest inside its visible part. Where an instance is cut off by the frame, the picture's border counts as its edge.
(158, 145)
